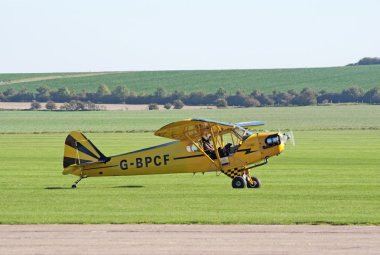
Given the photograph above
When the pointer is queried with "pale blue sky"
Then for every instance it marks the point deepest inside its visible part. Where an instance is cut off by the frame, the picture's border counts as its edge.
(81, 35)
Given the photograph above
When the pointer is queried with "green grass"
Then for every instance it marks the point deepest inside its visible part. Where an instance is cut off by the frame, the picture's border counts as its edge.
(324, 179)
(266, 80)
(18, 76)
(330, 176)
(296, 118)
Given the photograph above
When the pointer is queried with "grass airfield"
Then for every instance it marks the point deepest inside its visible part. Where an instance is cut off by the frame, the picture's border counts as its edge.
(330, 176)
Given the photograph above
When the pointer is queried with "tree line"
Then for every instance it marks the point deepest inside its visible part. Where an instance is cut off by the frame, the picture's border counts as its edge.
(220, 98)
(366, 61)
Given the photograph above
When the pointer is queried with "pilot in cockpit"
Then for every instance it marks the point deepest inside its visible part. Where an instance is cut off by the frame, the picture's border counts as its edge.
(207, 145)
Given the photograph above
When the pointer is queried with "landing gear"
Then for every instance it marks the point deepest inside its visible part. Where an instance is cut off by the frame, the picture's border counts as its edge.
(74, 186)
(256, 183)
(239, 182)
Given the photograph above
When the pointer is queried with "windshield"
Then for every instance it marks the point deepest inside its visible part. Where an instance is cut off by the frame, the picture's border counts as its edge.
(242, 133)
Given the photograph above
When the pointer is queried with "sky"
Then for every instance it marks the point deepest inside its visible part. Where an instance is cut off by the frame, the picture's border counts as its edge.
(112, 35)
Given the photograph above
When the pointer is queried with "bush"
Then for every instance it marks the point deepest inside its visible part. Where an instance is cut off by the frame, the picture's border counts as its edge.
(2, 97)
(221, 103)
(352, 94)
(178, 104)
(119, 94)
(306, 97)
(90, 106)
(35, 105)
(61, 95)
(73, 105)
(76, 105)
(167, 106)
(250, 102)
(50, 105)
(372, 96)
(43, 93)
(153, 107)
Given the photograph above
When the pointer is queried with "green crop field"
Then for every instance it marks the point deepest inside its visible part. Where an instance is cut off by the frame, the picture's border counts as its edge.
(266, 80)
(18, 77)
(330, 176)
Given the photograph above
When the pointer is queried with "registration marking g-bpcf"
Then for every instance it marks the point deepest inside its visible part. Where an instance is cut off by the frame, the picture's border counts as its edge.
(146, 161)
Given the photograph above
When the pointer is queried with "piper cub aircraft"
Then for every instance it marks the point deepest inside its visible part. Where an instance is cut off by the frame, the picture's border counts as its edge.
(199, 145)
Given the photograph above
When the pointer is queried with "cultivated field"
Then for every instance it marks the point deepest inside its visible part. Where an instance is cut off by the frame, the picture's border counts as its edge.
(266, 80)
(331, 176)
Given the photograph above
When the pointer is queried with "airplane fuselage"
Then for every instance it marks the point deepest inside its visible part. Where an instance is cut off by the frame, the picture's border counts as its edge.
(182, 157)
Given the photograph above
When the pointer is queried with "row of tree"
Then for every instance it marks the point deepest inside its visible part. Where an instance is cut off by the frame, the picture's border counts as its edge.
(366, 61)
(220, 98)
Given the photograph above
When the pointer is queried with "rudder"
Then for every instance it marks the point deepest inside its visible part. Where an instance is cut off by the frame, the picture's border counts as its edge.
(78, 151)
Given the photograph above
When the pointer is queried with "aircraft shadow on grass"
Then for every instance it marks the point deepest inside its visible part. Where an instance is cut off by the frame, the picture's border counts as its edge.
(57, 188)
(129, 186)
(116, 187)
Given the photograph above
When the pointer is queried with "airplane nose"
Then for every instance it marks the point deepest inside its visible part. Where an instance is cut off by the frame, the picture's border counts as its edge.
(281, 147)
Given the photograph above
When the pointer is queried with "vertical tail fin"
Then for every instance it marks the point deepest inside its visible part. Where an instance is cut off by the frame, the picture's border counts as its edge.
(78, 151)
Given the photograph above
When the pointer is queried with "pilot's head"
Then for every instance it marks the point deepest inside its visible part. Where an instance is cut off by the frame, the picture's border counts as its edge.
(206, 136)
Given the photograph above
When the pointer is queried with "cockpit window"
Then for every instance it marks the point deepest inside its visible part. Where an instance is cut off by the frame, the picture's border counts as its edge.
(242, 133)
(192, 148)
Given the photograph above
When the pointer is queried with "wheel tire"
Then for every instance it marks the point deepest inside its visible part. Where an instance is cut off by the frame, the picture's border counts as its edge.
(238, 182)
(73, 186)
(256, 183)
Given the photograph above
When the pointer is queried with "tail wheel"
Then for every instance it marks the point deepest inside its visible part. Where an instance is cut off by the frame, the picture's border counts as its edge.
(239, 182)
(256, 183)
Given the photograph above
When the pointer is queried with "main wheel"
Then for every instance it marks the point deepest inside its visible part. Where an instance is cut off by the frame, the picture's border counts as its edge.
(238, 182)
(73, 186)
(256, 183)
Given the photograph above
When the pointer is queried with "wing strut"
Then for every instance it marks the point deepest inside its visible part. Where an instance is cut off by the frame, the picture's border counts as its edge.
(215, 147)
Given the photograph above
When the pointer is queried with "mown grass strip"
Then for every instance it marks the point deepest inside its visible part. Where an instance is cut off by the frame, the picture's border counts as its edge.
(296, 118)
(329, 177)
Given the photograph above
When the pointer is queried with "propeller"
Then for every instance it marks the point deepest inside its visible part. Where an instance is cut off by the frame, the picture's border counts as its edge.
(289, 135)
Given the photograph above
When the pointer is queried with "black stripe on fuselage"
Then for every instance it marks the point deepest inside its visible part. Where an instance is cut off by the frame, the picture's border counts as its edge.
(247, 151)
(100, 167)
(193, 156)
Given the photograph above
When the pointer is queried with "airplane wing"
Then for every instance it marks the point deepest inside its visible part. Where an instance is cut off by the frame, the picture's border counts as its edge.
(193, 128)
(250, 124)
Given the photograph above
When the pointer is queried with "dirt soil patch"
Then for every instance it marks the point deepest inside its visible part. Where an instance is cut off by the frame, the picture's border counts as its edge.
(188, 239)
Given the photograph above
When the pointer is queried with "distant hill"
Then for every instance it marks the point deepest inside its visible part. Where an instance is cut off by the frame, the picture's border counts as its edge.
(330, 79)
(366, 61)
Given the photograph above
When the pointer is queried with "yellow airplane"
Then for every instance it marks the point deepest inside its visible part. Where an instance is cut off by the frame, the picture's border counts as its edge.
(200, 146)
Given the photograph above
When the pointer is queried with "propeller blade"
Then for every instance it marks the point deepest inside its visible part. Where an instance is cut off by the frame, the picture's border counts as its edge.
(289, 136)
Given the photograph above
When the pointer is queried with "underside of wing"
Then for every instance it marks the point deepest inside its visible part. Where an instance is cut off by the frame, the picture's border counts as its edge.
(250, 124)
(194, 128)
